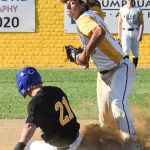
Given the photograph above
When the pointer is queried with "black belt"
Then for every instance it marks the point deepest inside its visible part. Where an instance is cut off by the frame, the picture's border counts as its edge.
(130, 29)
(106, 71)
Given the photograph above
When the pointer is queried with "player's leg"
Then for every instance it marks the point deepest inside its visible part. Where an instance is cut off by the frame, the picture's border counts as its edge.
(121, 86)
(135, 51)
(135, 61)
(135, 47)
(105, 114)
(40, 145)
(126, 42)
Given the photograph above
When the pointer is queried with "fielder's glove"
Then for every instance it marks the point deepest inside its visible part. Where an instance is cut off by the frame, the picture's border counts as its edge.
(20, 146)
(73, 54)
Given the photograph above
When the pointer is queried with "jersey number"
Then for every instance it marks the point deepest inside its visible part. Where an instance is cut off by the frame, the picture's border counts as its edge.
(60, 106)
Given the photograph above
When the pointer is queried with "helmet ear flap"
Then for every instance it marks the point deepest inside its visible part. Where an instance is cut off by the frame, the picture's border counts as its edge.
(21, 90)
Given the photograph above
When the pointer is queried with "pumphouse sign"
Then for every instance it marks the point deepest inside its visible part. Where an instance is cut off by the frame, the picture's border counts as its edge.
(111, 9)
(121, 3)
(17, 15)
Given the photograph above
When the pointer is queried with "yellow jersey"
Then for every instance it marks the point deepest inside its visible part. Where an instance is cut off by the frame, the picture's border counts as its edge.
(97, 10)
(108, 53)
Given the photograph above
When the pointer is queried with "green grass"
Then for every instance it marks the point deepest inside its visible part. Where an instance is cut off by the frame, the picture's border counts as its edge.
(80, 86)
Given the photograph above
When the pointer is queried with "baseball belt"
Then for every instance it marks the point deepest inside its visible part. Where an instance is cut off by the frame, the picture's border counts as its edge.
(106, 71)
(130, 29)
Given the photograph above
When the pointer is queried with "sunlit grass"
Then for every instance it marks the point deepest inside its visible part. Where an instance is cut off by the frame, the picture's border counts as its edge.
(78, 84)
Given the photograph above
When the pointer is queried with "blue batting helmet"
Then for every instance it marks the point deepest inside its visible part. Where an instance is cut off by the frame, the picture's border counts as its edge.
(26, 78)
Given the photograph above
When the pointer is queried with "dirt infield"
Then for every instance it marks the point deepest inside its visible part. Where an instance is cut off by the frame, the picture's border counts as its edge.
(94, 138)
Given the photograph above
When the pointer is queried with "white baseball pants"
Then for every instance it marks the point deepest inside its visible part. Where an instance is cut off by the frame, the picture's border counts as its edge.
(130, 42)
(42, 145)
(113, 90)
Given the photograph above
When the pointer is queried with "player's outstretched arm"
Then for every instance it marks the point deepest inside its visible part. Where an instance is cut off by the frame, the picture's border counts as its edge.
(27, 133)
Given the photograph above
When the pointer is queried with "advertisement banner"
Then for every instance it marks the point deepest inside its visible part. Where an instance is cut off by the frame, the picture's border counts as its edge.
(17, 15)
(111, 9)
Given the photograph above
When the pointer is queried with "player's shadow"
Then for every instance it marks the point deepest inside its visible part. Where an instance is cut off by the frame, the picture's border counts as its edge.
(95, 138)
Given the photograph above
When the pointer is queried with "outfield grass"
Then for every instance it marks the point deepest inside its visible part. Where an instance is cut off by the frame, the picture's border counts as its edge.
(80, 86)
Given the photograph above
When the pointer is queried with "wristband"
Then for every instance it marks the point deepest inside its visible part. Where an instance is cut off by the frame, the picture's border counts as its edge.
(20, 146)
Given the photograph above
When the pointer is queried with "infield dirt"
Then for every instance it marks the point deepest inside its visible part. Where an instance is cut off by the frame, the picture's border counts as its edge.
(94, 138)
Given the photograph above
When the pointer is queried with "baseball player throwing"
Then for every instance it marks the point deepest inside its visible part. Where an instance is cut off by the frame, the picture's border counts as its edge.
(116, 74)
(130, 29)
(49, 110)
